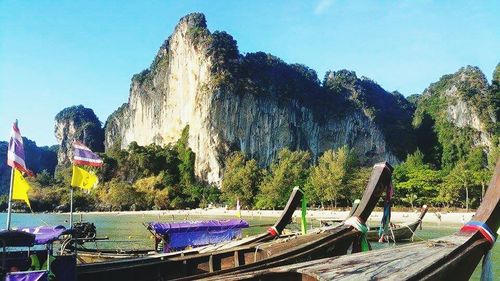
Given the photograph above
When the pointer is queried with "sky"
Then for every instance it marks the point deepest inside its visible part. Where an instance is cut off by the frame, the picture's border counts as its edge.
(55, 54)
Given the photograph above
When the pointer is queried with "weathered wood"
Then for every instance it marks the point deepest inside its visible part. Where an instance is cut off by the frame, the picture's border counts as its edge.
(379, 180)
(330, 241)
(98, 255)
(423, 212)
(211, 263)
(291, 205)
(321, 243)
(489, 211)
(450, 258)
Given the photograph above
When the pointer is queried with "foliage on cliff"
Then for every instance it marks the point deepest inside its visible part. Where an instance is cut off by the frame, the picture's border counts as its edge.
(441, 140)
(164, 177)
(138, 178)
(390, 111)
(88, 126)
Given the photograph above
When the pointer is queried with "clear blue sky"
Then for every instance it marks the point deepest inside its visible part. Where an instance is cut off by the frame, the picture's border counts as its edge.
(54, 54)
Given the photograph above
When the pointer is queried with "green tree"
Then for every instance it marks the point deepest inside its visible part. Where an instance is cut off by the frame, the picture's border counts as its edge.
(330, 176)
(460, 178)
(241, 180)
(161, 199)
(186, 157)
(149, 187)
(45, 179)
(356, 183)
(290, 170)
(471, 176)
(122, 196)
(415, 181)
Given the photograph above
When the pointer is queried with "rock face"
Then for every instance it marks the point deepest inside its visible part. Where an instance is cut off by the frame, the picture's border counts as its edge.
(255, 103)
(77, 123)
(462, 110)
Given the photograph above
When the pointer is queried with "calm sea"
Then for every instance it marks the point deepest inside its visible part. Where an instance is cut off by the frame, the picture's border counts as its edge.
(127, 231)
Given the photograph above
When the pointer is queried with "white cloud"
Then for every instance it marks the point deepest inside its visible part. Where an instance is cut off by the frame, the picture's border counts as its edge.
(322, 6)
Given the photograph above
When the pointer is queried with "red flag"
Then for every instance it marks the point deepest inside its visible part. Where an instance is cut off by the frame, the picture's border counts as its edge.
(15, 153)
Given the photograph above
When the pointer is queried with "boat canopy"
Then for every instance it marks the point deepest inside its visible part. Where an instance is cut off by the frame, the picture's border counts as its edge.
(189, 226)
(180, 235)
(16, 238)
(29, 236)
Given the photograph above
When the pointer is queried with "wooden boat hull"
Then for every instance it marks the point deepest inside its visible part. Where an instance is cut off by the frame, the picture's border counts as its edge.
(331, 241)
(439, 259)
(452, 257)
(402, 232)
(93, 255)
(160, 267)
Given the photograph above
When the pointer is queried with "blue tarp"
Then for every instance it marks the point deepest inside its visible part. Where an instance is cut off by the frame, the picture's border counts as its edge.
(180, 235)
(27, 276)
(45, 234)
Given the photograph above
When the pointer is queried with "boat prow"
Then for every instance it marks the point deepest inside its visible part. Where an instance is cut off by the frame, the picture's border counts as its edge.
(452, 257)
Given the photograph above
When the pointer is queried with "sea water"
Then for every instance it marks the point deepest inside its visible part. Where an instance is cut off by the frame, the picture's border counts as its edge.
(126, 231)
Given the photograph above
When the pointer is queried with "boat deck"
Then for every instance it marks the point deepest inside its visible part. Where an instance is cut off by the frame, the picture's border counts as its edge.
(382, 264)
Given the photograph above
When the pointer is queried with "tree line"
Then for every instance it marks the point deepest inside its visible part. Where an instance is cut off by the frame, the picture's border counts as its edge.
(337, 179)
(162, 177)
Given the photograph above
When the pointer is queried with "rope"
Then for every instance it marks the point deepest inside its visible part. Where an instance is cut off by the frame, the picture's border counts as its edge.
(361, 227)
(386, 218)
(255, 254)
(490, 236)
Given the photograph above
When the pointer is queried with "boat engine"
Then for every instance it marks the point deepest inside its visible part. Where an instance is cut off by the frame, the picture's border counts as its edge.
(84, 230)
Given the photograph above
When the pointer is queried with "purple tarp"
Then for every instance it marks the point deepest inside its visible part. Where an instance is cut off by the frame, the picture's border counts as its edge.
(199, 233)
(45, 234)
(27, 276)
(187, 226)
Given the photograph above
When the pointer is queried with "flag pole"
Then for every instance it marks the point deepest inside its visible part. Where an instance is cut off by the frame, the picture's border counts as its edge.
(9, 209)
(71, 207)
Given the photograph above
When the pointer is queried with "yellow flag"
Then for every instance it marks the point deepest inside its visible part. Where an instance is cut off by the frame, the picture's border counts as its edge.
(20, 188)
(82, 178)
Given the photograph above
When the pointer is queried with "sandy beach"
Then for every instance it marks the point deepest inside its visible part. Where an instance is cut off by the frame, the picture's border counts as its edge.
(398, 217)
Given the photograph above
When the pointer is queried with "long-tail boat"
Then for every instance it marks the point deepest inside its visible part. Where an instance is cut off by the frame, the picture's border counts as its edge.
(398, 232)
(452, 257)
(169, 237)
(93, 255)
(330, 241)
(28, 254)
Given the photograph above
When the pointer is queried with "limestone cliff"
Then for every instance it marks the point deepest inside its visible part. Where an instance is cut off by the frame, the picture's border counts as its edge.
(455, 114)
(254, 102)
(77, 123)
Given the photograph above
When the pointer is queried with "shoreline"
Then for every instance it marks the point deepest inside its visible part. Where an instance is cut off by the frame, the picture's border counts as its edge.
(437, 217)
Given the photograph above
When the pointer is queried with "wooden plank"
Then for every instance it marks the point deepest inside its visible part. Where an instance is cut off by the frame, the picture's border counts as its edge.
(380, 264)
(236, 258)
(379, 181)
(211, 263)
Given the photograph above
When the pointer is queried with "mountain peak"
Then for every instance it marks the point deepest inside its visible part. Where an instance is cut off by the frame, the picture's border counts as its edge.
(193, 20)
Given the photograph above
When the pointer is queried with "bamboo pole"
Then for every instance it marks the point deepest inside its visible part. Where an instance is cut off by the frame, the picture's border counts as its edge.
(9, 209)
(71, 207)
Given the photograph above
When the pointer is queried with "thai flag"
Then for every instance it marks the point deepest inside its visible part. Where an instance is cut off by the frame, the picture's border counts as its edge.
(15, 153)
(82, 155)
